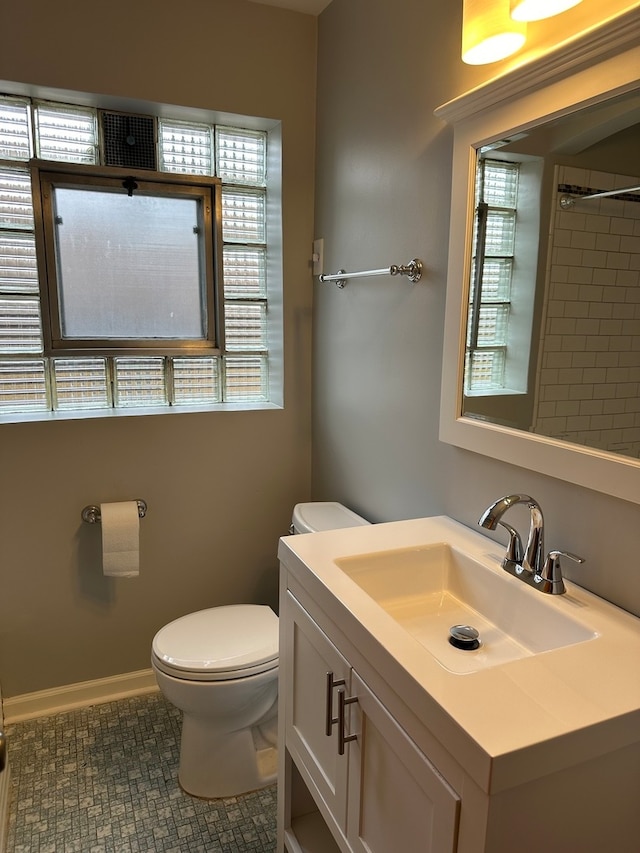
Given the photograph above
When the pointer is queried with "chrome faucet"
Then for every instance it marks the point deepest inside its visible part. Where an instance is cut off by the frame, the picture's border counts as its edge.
(528, 564)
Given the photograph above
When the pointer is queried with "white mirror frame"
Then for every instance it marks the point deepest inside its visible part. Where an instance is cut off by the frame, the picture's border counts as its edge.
(594, 67)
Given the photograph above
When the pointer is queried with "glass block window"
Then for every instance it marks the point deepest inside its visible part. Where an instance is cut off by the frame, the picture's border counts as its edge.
(16, 203)
(24, 385)
(243, 216)
(15, 129)
(139, 382)
(64, 133)
(185, 148)
(196, 380)
(33, 377)
(81, 383)
(18, 267)
(20, 325)
(246, 378)
(491, 275)
(487, 368)
(241, 156)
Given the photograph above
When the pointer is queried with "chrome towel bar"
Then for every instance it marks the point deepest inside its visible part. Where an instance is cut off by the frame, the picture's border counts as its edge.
(413, 271)
(91, 514)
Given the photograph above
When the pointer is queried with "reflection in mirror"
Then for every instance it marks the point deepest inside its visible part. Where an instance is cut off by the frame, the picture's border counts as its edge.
(553, 328)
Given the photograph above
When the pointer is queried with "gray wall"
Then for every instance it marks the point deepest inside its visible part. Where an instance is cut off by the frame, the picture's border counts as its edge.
(382, 197)
(220, 486)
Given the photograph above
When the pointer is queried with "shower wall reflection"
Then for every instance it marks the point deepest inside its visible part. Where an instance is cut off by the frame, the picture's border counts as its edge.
(588, 384)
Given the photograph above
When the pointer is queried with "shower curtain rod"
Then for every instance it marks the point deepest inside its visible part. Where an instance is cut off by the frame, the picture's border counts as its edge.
(569, 200)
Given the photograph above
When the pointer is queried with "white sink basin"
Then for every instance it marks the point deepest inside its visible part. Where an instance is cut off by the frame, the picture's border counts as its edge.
(429, 589)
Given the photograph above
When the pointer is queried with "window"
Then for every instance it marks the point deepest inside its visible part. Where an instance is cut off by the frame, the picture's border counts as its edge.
(491, 274)
(153, 296)
(129, 262)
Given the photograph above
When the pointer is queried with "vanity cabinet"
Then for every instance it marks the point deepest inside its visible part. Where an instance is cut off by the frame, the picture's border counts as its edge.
(541, 753)
(352, 780)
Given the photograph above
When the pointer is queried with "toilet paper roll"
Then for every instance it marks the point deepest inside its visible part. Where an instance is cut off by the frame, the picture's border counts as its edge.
(120, 539)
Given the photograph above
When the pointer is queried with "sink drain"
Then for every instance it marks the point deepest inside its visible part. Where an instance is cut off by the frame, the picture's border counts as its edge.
(464, 637)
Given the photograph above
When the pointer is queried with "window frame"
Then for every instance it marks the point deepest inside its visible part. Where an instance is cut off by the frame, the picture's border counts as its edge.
(48, 175)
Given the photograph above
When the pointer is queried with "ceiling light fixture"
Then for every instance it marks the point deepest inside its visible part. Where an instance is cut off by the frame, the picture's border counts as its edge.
(489, 33)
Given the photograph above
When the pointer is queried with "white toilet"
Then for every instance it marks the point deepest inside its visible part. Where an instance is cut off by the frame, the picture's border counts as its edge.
(220, 668)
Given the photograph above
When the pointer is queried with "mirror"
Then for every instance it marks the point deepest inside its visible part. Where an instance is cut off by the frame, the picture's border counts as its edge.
(553, 324)
(556, 388)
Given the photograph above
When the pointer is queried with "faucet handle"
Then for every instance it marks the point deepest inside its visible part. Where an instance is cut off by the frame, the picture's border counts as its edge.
(551, 575)
(515, 551)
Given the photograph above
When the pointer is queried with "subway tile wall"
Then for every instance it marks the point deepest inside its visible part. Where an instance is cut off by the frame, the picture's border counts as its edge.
(589, 364)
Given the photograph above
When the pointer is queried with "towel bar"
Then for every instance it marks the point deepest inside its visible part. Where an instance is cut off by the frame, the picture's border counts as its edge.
(413, 270)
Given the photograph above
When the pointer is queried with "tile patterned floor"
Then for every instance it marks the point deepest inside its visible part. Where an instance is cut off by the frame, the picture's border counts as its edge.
(103, 780)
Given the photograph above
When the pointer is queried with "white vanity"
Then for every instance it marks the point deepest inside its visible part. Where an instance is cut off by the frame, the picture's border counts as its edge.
(394, 741)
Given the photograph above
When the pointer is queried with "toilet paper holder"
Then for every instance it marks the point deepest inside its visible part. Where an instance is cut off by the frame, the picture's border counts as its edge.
(91, 514)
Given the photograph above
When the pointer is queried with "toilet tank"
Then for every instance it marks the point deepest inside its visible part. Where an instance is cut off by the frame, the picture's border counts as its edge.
(323, 515)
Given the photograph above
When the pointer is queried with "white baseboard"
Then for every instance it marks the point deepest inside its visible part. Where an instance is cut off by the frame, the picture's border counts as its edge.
(80, 695)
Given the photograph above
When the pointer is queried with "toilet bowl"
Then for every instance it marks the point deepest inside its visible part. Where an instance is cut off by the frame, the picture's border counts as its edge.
(219, 666)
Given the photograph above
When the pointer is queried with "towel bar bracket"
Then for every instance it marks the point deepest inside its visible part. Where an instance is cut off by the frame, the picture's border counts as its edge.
(91, 514)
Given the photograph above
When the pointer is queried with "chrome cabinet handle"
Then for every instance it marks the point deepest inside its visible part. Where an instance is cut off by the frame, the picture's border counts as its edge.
(3, 751)
(330, 720)
(342, 737)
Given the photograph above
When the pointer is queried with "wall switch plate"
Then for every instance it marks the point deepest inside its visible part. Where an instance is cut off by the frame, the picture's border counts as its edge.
(318, 257)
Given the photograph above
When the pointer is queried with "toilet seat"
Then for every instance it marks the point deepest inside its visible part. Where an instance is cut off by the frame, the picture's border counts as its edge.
(218, 644)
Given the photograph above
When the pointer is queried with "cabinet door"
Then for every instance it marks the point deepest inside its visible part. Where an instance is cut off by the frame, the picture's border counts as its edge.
(313, 665)
(397, 799)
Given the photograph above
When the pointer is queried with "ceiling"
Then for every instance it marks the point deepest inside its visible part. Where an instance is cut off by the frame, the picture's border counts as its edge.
(311, 7)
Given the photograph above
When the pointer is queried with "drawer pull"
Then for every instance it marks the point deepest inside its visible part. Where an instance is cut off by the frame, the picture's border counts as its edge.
(342, 737)
(330, 720)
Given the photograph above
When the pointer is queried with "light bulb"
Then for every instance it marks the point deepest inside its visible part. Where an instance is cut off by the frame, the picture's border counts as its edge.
(536, 10)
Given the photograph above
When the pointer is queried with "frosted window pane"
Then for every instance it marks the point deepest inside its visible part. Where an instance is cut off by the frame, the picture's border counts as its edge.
(129, 267)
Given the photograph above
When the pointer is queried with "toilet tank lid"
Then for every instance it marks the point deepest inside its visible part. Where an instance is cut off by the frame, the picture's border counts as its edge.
(324, 515)
(220, 639)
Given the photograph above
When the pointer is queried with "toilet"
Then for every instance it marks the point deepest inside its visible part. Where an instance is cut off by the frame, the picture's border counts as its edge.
(219, 666)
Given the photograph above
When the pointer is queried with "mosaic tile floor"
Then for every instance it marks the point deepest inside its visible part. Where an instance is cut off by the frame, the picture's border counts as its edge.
(104, 780)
